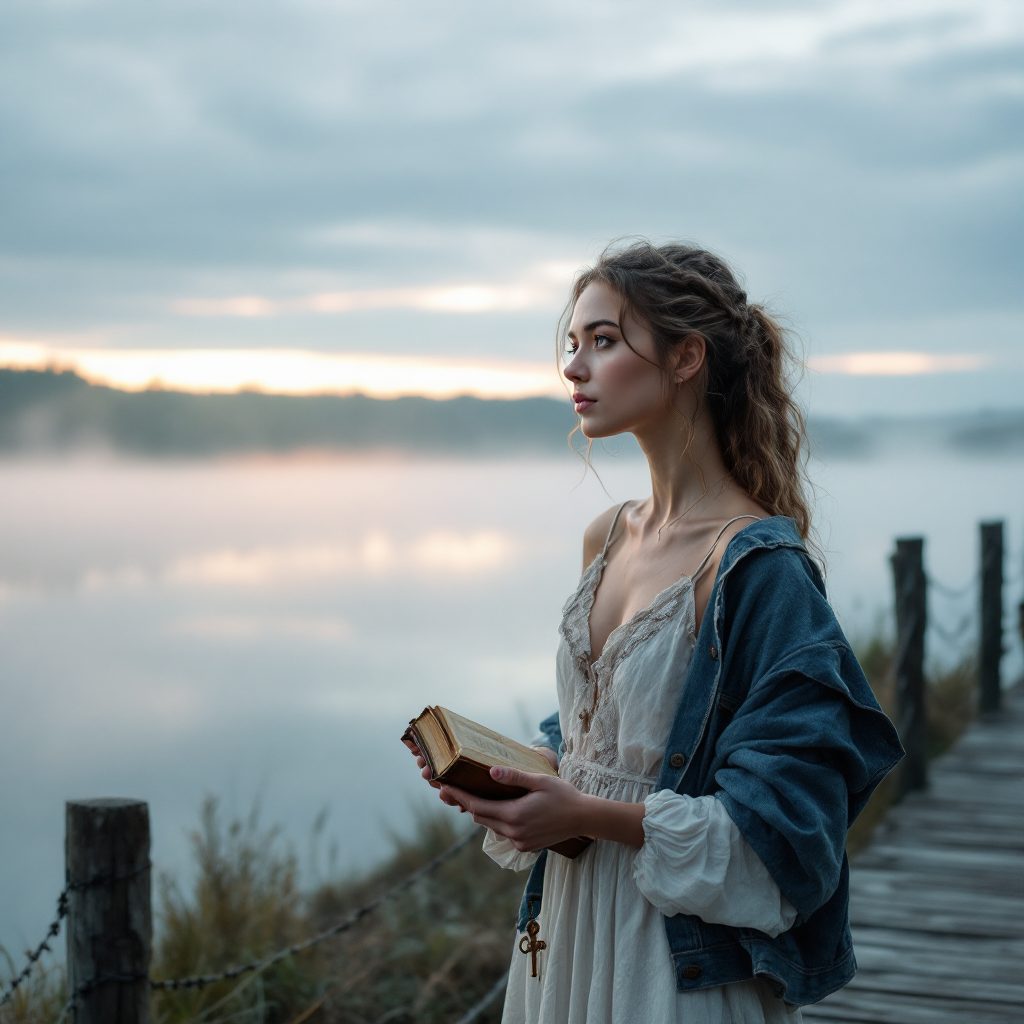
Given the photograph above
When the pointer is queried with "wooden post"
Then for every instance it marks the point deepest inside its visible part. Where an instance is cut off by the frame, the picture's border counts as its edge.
(911, 620)
(110, 922)
(991, 650)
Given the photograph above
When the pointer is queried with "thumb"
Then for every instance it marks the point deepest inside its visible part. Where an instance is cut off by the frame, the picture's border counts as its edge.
(514, 777)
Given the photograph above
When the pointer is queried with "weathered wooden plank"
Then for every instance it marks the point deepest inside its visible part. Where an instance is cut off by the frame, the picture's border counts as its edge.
(951, 986)
(975, 838)
(936, 814)
(980, 968)
(861, 1005)
(898, 941)
(983, 884)
(997, 790)
(969, 893)
(927, 897)
(957, 808)
(882, 913)
(921, 858)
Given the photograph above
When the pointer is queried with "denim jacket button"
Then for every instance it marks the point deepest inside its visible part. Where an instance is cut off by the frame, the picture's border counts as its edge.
(677, 760)
(691, 972)
(714, 653)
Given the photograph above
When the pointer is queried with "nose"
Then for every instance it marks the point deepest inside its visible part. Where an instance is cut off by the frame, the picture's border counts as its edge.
(575, 370)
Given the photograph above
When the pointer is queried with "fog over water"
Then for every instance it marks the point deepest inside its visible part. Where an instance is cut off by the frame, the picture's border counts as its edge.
(262, 629)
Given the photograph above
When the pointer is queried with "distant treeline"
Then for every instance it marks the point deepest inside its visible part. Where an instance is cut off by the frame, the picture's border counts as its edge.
(47, 411)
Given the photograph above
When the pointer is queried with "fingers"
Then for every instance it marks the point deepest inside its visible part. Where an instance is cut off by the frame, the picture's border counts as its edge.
(550, 755)
(514, 777)
(457, 797)
(500, 815)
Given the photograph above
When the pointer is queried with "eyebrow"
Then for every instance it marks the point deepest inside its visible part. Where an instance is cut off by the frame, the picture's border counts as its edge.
(594, 324)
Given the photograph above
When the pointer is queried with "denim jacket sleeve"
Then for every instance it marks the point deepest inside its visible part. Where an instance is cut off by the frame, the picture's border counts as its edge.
(550, 735)
(807, 743)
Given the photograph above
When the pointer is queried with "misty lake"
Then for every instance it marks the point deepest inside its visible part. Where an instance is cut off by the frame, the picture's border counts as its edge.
(262, 629)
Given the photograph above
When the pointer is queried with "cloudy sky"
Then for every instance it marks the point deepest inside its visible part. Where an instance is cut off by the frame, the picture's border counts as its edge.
(400, 180)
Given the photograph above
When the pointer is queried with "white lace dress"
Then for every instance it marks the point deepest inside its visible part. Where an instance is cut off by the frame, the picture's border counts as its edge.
(607, 958)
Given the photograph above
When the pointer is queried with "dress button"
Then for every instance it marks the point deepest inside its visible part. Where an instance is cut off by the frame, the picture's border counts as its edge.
(714, 653)
(691, 972)
(677, 760)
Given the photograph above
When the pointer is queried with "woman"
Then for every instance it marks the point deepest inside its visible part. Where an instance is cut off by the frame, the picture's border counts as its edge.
(715, 734)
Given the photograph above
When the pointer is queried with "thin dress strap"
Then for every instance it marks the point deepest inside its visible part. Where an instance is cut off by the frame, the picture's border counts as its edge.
(611, 529)
(700, 568)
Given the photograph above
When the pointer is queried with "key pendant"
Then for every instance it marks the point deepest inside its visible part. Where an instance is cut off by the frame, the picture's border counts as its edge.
(529, 943)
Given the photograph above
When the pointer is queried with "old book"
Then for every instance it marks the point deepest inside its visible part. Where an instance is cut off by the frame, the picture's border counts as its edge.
(461, 753)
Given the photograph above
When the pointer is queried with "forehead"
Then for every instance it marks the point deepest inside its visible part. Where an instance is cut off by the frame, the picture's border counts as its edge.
(598, 301)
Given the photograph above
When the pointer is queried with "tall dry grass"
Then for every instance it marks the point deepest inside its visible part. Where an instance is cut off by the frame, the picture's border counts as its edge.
(426, 956)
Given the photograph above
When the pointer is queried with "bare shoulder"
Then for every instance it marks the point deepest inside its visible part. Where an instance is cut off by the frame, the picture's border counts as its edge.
(739, 517)
(595, 534)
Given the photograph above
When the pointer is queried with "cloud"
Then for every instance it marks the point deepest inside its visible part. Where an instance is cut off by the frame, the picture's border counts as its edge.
(896, 364)
(470, 298)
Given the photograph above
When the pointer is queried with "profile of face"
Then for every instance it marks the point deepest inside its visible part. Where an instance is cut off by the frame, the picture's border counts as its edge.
(620, 387)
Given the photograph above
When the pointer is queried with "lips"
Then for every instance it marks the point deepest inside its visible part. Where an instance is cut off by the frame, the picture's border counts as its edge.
(582, 401)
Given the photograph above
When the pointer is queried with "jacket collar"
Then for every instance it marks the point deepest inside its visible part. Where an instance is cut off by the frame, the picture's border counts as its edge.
(773, 532)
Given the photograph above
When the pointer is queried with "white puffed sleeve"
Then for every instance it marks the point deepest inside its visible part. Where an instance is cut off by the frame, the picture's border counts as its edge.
(695, 861)
(505, 855)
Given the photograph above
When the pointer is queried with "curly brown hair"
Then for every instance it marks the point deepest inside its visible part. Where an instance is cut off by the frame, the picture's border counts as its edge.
(749, 370)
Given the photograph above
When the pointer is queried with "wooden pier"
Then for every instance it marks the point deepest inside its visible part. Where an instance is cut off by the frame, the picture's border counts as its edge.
(937, 898)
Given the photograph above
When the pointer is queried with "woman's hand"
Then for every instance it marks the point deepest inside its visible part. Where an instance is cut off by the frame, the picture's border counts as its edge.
(550, 755)
(553, 810)
(421, 763)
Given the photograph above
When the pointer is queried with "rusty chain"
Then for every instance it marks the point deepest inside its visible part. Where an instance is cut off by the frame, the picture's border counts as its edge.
(34, 955)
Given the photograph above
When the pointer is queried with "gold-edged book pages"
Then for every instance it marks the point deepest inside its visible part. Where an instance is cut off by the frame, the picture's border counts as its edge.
(462, 753)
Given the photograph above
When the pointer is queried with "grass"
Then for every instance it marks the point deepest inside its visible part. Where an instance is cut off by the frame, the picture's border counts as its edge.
(40, 999)
(425, 957)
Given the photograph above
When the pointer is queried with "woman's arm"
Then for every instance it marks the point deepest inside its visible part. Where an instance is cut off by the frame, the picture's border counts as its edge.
(695, 861)
(553, 810)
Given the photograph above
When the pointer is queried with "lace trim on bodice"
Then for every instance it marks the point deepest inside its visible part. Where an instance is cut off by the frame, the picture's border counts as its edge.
(575, 625)
(625, 638)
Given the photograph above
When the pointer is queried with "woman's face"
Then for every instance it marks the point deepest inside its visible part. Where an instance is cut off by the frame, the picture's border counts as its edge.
(615, 389)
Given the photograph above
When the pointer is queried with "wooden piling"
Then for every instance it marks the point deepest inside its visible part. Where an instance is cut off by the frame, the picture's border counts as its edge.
(990, 653)
(908, 669)
(109, 928)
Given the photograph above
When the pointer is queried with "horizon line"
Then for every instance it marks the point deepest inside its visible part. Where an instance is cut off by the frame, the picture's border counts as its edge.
(307, 372)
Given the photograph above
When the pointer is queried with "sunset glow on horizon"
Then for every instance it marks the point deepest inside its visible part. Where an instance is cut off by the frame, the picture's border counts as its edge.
(291, 372)
(306, 372)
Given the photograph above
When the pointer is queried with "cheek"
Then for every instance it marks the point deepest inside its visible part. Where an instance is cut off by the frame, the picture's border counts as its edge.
(628, 380)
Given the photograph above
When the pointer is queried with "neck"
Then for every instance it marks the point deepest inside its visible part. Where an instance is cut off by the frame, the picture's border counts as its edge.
(687, 473)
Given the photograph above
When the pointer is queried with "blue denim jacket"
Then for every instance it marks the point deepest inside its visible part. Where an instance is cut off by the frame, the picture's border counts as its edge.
(776, 720)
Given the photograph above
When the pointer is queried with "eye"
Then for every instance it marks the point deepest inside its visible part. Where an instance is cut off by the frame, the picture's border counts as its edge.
(571, 347)
(603, 341)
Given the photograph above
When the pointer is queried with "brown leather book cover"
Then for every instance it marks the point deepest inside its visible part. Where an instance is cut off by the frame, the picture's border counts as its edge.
(443, 739)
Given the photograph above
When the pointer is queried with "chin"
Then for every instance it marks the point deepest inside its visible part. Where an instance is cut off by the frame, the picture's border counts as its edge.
(596, 431)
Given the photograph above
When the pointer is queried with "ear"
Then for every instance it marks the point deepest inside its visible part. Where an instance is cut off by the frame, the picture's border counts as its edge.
(688, 358)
